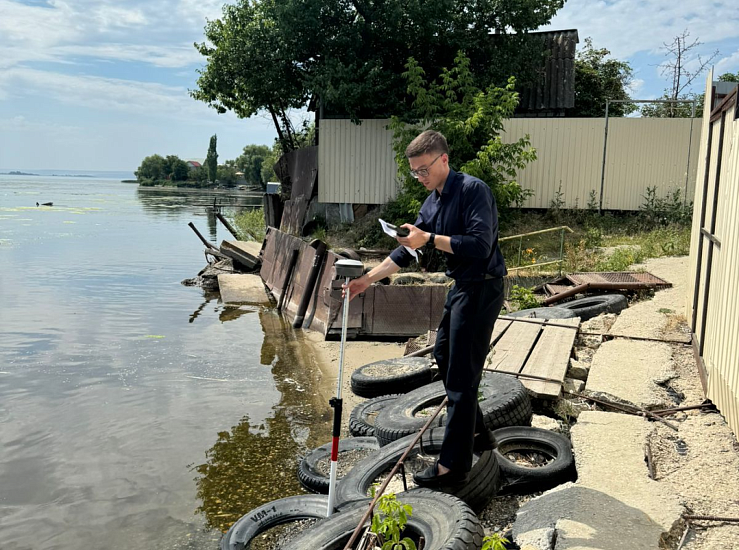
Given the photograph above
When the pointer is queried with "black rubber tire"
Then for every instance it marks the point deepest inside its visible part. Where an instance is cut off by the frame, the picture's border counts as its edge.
(412, 373)
(362, 417)
(519, 479)
(308, 473)
(270, 515)
(544, 313)
(485, 477)
(505, 403)
(445, 523)
(586, 308)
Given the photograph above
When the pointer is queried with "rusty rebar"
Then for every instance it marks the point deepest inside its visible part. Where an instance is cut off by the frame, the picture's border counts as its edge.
(710, 518)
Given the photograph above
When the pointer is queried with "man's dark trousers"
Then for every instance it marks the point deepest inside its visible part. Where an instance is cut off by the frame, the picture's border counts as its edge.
(462, 345)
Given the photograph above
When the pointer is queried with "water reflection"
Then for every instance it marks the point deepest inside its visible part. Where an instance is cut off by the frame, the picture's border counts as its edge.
(171, 202)
(254, 463)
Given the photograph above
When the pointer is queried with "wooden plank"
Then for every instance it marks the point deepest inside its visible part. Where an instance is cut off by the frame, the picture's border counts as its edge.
(499, 329)
(244, 252)
(550, 358)
(511, 351)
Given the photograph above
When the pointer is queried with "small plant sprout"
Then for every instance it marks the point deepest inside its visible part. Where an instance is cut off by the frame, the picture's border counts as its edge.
(496, 541)
(390, 522)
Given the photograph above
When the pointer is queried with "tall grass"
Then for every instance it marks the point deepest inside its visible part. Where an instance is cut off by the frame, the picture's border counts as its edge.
(250, 224)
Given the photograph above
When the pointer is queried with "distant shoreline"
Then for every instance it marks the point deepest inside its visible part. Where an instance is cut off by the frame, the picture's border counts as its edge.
(16, 173)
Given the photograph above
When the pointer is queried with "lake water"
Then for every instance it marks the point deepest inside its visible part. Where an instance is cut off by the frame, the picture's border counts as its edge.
(136, 412)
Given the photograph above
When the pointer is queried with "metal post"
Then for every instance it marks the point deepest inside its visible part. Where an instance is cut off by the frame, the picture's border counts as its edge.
(690, 146)
(603, 170)
(520, 245)
(561, 249)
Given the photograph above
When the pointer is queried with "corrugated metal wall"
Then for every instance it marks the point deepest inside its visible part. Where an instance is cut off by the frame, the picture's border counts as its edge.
(713, 263)
(642, 152)
(356, 163)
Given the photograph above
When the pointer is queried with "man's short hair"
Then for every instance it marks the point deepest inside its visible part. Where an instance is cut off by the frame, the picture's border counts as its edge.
(429, 141)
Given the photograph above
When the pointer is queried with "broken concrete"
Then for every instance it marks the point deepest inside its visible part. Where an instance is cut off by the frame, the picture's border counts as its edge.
(242, 289)
(649, 318)
(613, 504)
(632, 370)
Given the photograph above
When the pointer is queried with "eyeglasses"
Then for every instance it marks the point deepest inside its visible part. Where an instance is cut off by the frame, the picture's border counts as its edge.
(423, 172)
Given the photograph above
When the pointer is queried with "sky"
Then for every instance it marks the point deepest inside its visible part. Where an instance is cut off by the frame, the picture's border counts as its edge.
(100, 84)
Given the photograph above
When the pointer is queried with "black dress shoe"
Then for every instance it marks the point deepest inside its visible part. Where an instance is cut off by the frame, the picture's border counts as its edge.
(430, 477)
(484, 441)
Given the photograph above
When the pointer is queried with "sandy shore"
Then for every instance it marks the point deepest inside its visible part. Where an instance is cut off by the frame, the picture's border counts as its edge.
(357, 354)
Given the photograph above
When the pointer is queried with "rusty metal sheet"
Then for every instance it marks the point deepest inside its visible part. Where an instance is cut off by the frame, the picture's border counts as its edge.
(303, 170)
(611, 277)
(402, 310)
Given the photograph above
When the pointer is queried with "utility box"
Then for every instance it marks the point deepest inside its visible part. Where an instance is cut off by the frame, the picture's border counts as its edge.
(273, 187)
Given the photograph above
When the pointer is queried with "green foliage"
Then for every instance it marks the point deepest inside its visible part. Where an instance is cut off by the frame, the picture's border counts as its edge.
(274, 55)
(674, 110)
(523, 298)
(226, 175)
(251, 162)
(671, 209)
(496, 541)
(211, 159)
(598, 78)
(471, 119)
(156, 168)
(391, 521)
(250, 224)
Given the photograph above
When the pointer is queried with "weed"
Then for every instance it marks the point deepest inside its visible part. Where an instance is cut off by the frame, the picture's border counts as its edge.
(391, 521)
(566, 410)
(250, 224)
(523, 298)
(593, 203)
(496, 541)
(665, 310)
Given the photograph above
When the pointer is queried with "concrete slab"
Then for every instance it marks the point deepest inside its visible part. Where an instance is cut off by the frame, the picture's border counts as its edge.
(613, 504)
(239, 288)
(244, 252)
(649, 318)
(631, 370)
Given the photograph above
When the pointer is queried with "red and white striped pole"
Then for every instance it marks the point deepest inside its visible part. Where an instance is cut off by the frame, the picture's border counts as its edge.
(347, 269)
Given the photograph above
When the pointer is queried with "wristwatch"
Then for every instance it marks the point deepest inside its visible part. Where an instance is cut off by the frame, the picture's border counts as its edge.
(430, 242)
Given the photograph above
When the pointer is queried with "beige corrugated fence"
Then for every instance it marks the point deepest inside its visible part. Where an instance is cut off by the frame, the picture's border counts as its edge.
(356, 163)
(713, 297)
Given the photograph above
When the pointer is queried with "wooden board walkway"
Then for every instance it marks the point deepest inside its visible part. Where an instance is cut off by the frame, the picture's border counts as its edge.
(534, 347)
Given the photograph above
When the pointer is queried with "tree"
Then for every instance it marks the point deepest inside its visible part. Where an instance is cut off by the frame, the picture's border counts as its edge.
(211, 159)
(175, 169)
(250, 162)
(471, 119)
(152, 168)
(227, 175)
(597, 78)
(275, 55)
(681, 69)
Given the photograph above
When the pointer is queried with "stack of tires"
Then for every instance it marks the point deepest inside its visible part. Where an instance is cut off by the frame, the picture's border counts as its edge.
(401, 396)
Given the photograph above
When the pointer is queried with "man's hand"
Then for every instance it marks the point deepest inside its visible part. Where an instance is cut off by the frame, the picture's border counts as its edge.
(416, 238)
(356, 286)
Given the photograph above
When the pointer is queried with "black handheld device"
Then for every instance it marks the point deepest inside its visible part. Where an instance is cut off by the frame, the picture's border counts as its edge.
(400, 231)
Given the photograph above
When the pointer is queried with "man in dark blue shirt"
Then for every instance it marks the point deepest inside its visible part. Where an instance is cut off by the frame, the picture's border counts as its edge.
(460, 218)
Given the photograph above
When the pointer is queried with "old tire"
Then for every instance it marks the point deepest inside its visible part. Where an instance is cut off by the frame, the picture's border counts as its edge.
(399, 375)
(445, 523)
(586, 308)
(544, 313)
(483, 485)
(310, 475)
(505, 403)
(518, 479)
(362, 417)
(269, 515)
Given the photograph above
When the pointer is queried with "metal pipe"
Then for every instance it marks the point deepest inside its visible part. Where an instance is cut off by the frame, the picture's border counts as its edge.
(511, 237)
(224, 221)
(205, 241)
(288, 277)
(603, 168)
(566, 294)
(320, 247)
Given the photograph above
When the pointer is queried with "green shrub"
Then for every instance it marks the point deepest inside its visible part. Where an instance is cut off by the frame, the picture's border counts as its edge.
(250, 224)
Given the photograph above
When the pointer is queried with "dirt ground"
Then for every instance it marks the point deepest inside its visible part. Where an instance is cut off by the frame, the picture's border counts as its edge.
(699, 462)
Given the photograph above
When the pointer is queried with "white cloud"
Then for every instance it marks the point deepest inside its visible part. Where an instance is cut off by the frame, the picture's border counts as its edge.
(159, 56)
(729, 64)
(635, 87)
(627, 27)
(21, 124)
(108, 94)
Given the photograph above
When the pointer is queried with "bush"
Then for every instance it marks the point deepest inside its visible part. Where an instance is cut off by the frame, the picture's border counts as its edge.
(250, 224)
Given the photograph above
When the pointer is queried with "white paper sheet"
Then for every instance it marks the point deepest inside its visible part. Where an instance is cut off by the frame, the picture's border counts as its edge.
(390, 231)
